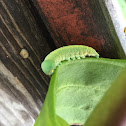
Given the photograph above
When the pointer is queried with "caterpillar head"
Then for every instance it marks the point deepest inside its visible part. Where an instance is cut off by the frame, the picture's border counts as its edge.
(48, 67)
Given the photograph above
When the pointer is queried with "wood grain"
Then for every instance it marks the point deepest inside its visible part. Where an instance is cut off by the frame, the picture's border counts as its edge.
(23, 85)
(17, 107)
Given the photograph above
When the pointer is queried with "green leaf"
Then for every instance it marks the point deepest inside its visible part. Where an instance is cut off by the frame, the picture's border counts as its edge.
(76, 88)
(111, 111)
(47, 116)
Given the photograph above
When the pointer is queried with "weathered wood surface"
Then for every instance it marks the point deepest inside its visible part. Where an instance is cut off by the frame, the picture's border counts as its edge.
(84, 22)
(17, 107)
(23, 85)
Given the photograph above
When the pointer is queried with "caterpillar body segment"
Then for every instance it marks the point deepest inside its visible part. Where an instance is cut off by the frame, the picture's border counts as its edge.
(72, 52)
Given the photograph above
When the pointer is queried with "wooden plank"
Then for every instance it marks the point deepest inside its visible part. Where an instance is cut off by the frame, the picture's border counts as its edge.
(83, 22)
(17, 107)
(18, 30)
(23, 85)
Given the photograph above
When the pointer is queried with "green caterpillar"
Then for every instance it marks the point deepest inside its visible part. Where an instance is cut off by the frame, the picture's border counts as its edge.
(72, 52)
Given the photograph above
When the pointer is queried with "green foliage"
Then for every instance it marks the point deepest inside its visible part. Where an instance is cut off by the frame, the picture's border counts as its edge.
(75, 89)
(47, 116)
(111, 111)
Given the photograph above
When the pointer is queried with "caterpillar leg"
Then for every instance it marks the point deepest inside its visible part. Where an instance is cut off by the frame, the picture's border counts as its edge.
(60, 63)
(68, 59)
(73, 58)
(96, 56)
(78, 57)
(82, 56)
